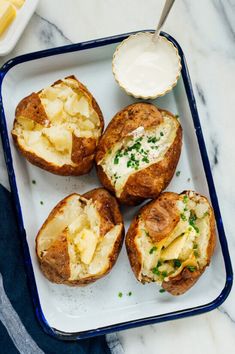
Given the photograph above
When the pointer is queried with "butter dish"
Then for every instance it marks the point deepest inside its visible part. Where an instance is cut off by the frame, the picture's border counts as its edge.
(11, 35)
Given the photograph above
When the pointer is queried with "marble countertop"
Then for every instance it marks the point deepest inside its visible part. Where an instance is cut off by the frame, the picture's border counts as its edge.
(206, 32)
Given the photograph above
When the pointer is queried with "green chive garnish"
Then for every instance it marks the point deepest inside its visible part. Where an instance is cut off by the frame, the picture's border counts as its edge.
(177, 263)
(191, 268)
(162, 291)
(153, 249)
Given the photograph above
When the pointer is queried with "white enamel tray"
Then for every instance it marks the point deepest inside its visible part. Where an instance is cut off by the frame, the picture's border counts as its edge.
(10, 37)
(72, 313)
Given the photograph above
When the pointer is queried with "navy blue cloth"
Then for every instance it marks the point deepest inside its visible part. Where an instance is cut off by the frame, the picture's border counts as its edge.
(16, 288)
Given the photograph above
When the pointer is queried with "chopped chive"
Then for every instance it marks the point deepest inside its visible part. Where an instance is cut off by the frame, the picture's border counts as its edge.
(117, 156)
(164, 274)
(153, 139)
(196, 254)
(195, 246)
(177, 263)
(145, 159)
(185, 199)
(159, 263)
(130, 293)
(153, 249)
(189, 179)
(191, 268)
(116, 160)
(33, 181)
(41, 202)
(156, 271)
(116, 176)
(177, 116)
(192, 219)
(119, 294)
(161, 133)
(183, 217)
(196, 229)
(162, 291)
(177, 173)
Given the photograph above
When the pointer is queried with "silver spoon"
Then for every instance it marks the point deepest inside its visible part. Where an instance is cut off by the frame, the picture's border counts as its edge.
(165, 12)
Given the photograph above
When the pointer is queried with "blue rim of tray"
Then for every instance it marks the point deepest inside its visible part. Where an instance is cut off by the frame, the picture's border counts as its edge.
(27, 259)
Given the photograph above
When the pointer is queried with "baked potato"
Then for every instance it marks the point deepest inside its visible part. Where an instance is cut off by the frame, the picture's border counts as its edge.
(171, 240)
(81, 239)
(138, 152)
(58, 128)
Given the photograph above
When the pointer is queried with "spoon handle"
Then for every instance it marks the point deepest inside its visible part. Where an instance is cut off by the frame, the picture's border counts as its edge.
(165, 12)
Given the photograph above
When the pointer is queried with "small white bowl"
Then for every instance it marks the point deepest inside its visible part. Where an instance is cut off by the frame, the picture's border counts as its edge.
(145, 69)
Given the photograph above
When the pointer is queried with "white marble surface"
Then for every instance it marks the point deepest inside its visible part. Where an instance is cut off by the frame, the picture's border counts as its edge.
(206, 32)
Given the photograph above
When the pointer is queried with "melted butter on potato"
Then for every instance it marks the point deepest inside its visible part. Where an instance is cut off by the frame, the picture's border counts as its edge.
(138, 150)
(185, 247)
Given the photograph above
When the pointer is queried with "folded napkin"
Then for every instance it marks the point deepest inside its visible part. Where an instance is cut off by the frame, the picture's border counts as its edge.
(19, 328)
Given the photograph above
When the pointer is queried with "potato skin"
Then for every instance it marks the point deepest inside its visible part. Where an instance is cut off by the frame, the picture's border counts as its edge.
(147, 183)
(83, 150)
(165, 222)
(55, 265)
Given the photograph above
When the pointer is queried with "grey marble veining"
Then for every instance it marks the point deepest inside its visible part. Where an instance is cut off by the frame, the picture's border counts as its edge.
(206, 32)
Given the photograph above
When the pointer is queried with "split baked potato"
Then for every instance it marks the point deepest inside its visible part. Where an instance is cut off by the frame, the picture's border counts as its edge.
(171, 240)
(138, 152)
(81, 239)
(58, 128)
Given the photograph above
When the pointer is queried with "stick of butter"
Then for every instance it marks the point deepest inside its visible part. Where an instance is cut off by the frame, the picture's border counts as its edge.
(7, 15)
(17, 3)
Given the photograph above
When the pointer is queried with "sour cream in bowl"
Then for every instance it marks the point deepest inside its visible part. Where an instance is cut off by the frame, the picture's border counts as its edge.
(144, 68)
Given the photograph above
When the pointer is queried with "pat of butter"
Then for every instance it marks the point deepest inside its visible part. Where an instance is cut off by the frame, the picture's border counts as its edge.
(17, 3)
(7, 15)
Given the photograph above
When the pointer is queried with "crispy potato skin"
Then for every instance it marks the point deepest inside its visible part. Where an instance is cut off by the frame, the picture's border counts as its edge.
(55, 264)
(162, 212)
(83, 149)
(161, 216)
(32, 108)
(147, 183)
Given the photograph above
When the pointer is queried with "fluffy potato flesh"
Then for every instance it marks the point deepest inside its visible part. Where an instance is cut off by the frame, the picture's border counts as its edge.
(70, 114)
(186, 245)
(137, 151)
(78, 220)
